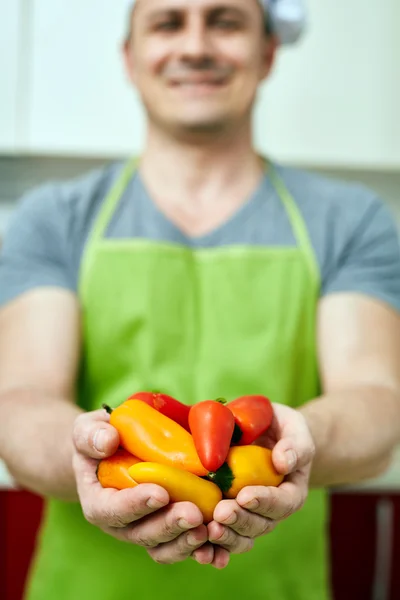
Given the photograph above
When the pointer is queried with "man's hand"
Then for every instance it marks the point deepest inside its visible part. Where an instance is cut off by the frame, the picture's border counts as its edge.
(258, 510)
(143, 516)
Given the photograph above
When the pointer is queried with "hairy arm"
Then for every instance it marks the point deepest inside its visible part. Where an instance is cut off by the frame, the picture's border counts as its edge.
(356, 423)
(39, 352)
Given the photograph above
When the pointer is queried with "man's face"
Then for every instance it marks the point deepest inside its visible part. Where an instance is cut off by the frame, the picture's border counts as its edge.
(197, 64)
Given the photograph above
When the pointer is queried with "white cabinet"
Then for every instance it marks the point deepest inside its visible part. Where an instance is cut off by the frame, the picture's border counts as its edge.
(80, 101)
(332, 100)
(10, 38)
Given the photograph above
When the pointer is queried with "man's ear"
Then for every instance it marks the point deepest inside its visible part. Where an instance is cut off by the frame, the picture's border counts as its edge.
(128, 59)
(270, 47)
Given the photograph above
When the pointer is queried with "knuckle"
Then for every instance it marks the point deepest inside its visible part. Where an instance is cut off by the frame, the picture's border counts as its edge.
(267, 527)
(171, 528)
(90, 515)
(140, 539)
(249, 546)
(159, 558)
(112, 519)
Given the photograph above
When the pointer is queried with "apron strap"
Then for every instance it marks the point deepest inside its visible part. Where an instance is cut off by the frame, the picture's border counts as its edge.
(298, 225)
(114, 196)
(104, 217)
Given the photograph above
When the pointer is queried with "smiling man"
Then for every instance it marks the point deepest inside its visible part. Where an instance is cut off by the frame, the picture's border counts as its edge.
(204, 270)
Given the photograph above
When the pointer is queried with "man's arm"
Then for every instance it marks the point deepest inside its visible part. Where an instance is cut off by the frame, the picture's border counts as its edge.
(39, 350)
(356, 423)
(52, 447)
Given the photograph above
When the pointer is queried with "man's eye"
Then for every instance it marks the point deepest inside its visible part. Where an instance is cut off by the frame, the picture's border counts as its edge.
(167, 26)
(227, 24)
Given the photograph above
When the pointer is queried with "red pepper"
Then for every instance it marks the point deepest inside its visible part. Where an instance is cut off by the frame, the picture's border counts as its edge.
(212, 425)
(253, 416)
(166, 405)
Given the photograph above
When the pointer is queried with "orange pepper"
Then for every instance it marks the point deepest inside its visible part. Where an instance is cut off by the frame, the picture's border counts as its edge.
(112, 472)
(153, 437)
(246, 466)
(180, 485)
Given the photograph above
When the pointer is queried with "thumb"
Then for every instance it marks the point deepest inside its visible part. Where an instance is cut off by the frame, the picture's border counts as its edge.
(296, 449)
(93, 435)
(284, 457)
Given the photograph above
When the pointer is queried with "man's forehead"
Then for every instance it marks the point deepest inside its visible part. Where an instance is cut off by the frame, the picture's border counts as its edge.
(205, 5)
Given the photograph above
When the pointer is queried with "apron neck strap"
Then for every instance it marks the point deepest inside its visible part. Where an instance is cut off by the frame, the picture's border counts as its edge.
(110, 205)
(297, 222)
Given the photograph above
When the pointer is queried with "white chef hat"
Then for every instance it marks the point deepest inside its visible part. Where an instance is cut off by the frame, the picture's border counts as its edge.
(288, 18)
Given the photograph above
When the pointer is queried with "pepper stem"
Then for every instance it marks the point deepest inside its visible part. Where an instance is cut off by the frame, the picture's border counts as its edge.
(221, 400)
(107, 408)
(223, 477)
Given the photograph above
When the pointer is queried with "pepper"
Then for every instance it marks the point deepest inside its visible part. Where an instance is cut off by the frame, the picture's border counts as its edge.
(180, 485)
(153, 437)
(246, 466)
(166, 405)
(112, 472)
(212, 425)
(253, 416)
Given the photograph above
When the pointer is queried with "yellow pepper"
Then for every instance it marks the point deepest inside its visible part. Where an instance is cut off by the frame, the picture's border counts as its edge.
(181, 486)
(246, 466)
(153, 437)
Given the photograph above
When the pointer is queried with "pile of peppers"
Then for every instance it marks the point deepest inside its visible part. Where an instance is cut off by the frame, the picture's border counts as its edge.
(198, 453)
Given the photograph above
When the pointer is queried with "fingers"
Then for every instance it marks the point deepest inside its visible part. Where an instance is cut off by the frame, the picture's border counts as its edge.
(241, 521)
(221, 558)
(295, 448)
(165, 526)
(180, 548)
(204, 555)
(93, 436)
(275, 503)
(229, 539)
(112, 508)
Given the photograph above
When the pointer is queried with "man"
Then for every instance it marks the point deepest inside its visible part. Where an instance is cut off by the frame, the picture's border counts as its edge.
(204, 271)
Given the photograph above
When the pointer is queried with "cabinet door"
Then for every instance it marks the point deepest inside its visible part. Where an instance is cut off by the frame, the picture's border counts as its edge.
(9, 73)
(334, 99)
(81, 102)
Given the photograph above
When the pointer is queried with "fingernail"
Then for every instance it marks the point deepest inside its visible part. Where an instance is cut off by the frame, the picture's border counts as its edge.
(191, 540)
(291, 459)
(183, 524)
(154, 503)
(252, 504)
(100, 440)
(231, 520)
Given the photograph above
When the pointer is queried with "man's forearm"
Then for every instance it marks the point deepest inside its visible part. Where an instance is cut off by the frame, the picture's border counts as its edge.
(38, 454)
(355, 432)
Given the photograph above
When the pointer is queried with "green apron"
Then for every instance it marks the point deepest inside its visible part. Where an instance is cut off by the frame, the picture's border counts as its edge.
(197, 324)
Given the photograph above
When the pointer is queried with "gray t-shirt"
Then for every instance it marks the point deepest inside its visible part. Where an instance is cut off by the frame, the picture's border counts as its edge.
(352, 231)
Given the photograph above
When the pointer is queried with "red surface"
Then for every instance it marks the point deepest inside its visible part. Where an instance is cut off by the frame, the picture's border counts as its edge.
(396, 550)
(353, 537)
(20, 515)
(352, 544)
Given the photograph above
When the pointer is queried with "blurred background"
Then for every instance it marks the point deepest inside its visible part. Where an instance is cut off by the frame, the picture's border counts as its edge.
(332, 106)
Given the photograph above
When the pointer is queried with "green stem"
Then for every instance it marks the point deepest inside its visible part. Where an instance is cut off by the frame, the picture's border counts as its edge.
(221, 400)
(107, 408)
(223, 478)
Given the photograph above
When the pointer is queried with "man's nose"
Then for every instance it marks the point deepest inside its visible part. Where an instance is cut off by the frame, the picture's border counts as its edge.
(195, 42)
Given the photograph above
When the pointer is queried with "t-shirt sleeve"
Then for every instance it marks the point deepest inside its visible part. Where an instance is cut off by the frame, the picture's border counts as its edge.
(34, 250)
(369, 261)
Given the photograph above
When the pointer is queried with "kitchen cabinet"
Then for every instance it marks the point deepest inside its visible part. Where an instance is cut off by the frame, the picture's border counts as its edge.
(10, 71)
(80, 101)
(332, 100)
